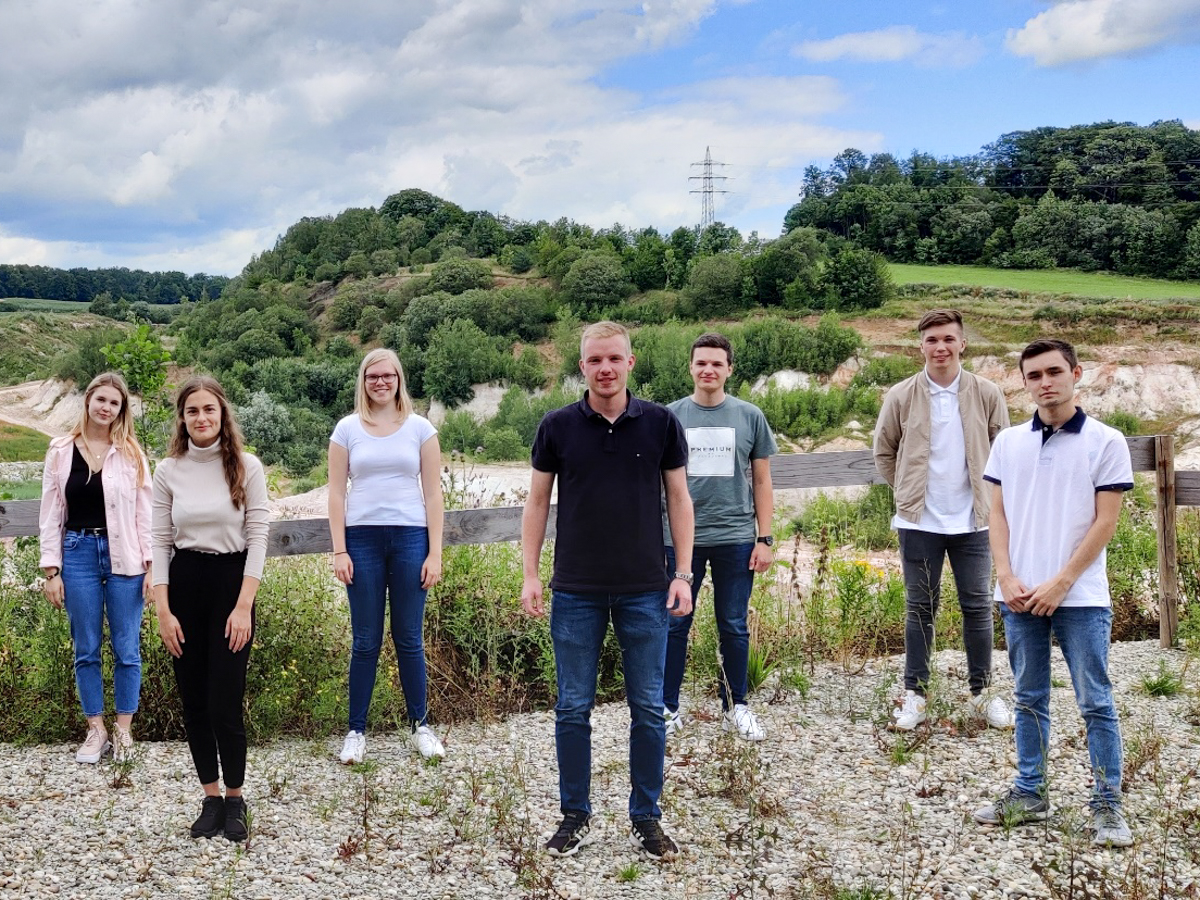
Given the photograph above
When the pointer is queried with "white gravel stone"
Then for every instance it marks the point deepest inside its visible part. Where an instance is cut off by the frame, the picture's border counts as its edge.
(824, 803)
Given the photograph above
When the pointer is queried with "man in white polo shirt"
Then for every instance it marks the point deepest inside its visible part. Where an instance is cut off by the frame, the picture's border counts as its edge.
(931, 443)
(1057, 482)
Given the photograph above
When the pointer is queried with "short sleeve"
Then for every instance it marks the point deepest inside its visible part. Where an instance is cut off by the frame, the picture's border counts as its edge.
(994, 469)
(543, 455)
(675, 447)
(425, 429)
(1114, 469)
(341, 432)
(764, 440)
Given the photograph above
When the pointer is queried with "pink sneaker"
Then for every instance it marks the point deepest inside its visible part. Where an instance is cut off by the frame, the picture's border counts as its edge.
(95, 746)
(122, 745)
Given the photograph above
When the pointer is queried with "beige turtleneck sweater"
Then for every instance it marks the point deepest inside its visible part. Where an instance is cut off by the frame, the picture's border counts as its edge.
(193, 510)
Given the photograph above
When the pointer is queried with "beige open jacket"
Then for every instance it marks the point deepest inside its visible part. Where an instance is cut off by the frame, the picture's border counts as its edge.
(902, 439)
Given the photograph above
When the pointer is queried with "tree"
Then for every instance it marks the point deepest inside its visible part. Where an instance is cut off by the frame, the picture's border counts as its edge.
(715, 286)
(858, 279)
(594, 282)
(782, 261)
(457, 275)
(141, 359)
(459, 356)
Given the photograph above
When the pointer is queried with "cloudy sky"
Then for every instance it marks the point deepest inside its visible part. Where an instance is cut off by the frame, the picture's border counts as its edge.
(188, 134)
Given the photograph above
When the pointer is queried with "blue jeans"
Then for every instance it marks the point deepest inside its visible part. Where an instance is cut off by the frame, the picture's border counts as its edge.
(387, 572)
(91, 594)
(922, 554)
(578, 623)
(1083, 633)
(732, 580)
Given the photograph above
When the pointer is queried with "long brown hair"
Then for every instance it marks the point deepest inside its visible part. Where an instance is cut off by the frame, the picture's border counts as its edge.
(120, 431)
(230, 435)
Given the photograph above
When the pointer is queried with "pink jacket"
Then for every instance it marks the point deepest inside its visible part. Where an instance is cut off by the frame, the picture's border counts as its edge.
(126, 508)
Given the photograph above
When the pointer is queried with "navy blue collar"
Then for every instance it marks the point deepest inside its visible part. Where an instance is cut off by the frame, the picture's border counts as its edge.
(633, 407)
(1073, 424)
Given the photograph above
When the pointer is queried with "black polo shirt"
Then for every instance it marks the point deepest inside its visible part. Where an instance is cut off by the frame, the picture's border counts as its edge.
(609, 533)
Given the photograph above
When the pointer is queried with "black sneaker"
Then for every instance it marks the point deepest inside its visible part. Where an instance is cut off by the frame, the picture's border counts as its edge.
(235, 818)
(212, 818)
(571, 835)
(647, 835)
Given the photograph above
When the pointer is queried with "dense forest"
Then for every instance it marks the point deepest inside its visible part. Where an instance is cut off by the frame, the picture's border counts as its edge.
(1109, 196)
(84, 285)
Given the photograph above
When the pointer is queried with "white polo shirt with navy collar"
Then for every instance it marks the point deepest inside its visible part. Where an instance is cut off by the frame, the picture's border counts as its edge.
(1049, 478)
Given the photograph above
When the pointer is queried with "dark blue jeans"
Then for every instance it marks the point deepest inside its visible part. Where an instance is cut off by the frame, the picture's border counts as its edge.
(92, 593)
(578, 623)
(922, 554)
(732, 580)
(387, 572)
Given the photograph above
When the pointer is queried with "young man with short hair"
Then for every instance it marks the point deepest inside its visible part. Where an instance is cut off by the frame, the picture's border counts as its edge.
(931, 443)
(729, 478)
(613, 456)
(1057, 482)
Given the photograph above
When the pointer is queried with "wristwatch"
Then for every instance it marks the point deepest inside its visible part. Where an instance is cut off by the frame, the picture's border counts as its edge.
(54, 574)
(685, 576)
(766, 539)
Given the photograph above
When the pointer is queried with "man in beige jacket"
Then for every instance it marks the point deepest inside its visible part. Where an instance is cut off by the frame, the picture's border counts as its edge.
(931, 444)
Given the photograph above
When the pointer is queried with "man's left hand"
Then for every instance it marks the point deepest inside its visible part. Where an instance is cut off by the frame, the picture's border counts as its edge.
(1047, 597)
(761, 558)
(679, 597)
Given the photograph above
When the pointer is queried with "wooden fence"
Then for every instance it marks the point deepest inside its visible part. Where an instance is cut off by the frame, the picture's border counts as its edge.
(290, 537)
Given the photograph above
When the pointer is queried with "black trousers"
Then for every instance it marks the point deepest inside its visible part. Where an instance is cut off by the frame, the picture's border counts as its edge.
(211, 679)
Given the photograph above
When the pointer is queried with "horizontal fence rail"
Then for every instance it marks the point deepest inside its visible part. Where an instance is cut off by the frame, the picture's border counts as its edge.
(293, 537)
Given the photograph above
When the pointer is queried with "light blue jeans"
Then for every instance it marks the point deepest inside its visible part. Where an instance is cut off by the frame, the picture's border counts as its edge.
(578, 623)
(92, 593)
(1083, 633)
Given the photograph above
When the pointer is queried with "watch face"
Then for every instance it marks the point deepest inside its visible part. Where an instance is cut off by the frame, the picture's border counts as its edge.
(767, 539)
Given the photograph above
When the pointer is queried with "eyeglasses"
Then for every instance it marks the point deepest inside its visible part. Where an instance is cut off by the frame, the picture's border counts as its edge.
(376, 379)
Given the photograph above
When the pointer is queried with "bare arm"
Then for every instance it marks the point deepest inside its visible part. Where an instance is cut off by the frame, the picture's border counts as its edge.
(533, 535)
(681, 518)
(435, 509)
(1047, 596)
(764, 511)
(339, 471)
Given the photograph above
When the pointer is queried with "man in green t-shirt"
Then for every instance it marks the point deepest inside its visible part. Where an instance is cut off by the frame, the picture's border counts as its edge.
(729, 477)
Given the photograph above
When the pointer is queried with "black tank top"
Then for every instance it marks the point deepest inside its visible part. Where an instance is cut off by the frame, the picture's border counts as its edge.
(85, 496)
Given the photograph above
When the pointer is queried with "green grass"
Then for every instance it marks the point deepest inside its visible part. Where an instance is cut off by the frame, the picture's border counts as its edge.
(20, 444)
(1049, 281)
(25, 304)
(20, 490)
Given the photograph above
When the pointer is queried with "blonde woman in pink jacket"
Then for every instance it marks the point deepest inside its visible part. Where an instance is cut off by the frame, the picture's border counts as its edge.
(95, 541)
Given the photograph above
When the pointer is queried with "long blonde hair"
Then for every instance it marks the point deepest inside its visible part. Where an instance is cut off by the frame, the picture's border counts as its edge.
(362, 402)
(120, 431)
(230, 437)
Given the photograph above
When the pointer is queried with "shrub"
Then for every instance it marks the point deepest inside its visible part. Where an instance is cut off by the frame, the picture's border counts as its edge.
(715, 286)
(457, 275)
(460, 431)
(858, 279)
(595, 281)
(864, 523)
(882, 371)
(86, 360)
(504, 443)
(814, 412)
(459, 356)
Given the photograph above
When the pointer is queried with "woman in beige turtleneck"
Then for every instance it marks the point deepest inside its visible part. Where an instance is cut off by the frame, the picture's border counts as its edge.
(210, 542)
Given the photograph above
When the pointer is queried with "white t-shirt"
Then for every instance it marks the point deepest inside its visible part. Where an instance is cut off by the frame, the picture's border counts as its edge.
(385, 472)
(949, 501)
(1049, 482)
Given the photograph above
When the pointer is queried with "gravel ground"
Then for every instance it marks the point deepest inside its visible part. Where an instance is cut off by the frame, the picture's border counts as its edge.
(829, 801)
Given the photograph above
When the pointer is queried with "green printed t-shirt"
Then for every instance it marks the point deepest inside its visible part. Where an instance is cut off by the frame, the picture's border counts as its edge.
(722, 440)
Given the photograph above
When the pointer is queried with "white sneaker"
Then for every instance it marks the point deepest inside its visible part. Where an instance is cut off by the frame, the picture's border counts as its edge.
(122, 745)
(354, 748)
(742, 720)
(911, 713)
(674, 721)
(95, 746)
(427, 742)
(993, 709)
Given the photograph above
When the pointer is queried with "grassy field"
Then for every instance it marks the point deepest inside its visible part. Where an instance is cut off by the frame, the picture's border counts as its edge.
(19, 444)
(1053, 281)
(24, 304)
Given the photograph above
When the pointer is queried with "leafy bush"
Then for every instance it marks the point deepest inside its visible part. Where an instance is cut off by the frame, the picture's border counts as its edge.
(882, 371)
(504, 443)
(86, 360)
(460, 432)
(595, 282)
(1125, 422)
(715, 286)
(858, 279)
(864, 523)
(457, 275)
(459, 356)
(814, 412)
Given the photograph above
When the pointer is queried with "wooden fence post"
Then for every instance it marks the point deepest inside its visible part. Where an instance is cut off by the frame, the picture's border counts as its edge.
(1168, 567)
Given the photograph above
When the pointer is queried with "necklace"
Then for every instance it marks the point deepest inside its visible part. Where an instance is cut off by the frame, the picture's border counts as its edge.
(95, 460)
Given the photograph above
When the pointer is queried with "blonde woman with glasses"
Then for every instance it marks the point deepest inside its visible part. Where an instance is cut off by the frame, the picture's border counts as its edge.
(387, 539)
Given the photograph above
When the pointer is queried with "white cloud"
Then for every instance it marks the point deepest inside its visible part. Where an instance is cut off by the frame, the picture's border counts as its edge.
(898, 43)
(189, 133)
(1074, 31)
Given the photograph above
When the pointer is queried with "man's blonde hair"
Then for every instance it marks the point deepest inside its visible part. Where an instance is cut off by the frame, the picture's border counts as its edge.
(600, 330)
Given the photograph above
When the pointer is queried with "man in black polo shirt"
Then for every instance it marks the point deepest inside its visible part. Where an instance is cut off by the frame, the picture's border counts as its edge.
(613, 455)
